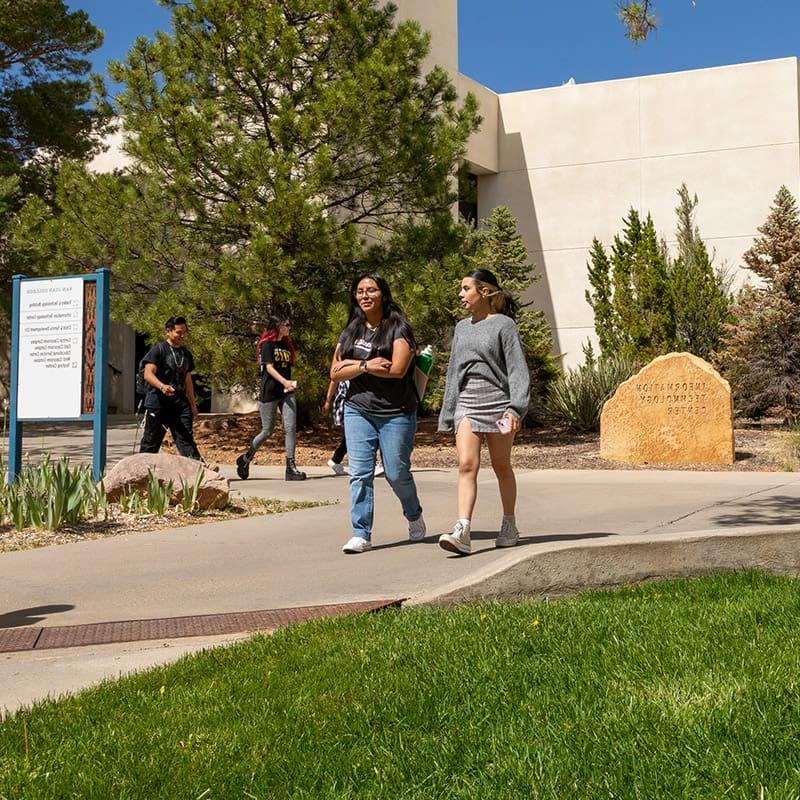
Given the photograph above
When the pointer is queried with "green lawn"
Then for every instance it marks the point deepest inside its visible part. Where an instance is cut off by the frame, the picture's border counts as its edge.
(673, 689)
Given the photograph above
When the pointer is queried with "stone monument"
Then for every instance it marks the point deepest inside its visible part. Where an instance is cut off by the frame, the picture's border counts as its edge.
(676, 410)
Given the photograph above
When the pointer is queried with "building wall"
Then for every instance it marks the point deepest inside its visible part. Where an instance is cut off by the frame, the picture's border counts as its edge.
(440, 19)
(573, 159)
(482, 149)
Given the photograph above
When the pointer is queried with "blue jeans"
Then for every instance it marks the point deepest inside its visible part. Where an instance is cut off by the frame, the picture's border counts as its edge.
(395, 437)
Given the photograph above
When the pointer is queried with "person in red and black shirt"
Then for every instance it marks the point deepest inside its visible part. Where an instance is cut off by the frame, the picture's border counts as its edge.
(170, 403)
(276, 354)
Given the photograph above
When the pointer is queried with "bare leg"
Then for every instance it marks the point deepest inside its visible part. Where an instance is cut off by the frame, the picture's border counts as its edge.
(468, 447)
(500, 450)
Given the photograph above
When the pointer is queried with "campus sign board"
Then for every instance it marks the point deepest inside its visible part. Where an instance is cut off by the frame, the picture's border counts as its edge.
(59, 356)
(50, 349)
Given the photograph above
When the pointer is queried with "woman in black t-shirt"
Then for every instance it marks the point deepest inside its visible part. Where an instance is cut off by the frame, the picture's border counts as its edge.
(376, 355)
(276, 354)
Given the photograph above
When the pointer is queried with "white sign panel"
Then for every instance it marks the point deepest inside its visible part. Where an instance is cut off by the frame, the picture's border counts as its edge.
(50, 348)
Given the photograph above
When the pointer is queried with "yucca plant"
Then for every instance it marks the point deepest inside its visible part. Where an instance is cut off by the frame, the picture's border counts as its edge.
(191, 492)
(576, 398)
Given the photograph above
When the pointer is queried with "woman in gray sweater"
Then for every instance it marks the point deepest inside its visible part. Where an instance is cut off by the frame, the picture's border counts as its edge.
(486, 395)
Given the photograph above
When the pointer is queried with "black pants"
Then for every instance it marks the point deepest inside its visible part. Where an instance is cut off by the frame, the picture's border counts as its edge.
(340, 452)
(175, 417)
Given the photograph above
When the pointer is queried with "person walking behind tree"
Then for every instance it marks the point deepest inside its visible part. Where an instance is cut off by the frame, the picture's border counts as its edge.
(376, 354)
(334, 405)
(486, 395)
(170, 402)
(276, 354)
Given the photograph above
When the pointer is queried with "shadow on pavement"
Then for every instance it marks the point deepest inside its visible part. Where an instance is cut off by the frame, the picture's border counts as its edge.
(775, 510)
(30, 616)
(492, 535)
(523, 540)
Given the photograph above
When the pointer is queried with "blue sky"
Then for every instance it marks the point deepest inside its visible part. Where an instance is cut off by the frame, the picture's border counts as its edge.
(511, 45)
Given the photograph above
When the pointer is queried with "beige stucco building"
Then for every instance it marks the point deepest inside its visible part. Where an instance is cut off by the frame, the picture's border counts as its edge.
(570, 161)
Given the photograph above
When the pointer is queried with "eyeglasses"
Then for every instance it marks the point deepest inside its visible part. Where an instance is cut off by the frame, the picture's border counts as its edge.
(286, 324)
(371, 292)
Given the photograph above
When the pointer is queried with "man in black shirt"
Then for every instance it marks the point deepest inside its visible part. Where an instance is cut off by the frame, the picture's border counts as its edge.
(170, 402)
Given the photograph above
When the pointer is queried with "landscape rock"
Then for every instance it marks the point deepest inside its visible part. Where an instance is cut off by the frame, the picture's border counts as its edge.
(132, 473)
(676, 410)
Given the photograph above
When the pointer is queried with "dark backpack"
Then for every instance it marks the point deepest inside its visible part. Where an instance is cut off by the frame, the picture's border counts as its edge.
(142, 386)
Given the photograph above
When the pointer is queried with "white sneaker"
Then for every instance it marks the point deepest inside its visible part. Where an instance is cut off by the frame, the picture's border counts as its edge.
(508, 536)
(379, 470)
(357, 545)
(338, 469)
(417, 529)
(458, 541)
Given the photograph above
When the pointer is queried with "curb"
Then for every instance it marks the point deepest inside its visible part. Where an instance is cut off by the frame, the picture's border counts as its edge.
(593, 564)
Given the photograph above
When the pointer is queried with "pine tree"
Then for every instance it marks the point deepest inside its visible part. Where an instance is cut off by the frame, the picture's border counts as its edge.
(499, 247)
(45, 110)
(700, 292)
(761, 348)
(277, 148)
(639, 19)
(601, 300)
(45, 85)
(632, 303)
(652, 324)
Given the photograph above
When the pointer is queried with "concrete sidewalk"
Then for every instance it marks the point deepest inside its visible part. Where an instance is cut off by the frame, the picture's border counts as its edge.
(295, 559)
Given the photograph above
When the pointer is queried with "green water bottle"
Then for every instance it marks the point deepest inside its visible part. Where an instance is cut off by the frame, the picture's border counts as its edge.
(423, 364)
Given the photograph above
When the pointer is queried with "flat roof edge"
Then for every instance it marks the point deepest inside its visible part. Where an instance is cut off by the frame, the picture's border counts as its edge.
(739, 65)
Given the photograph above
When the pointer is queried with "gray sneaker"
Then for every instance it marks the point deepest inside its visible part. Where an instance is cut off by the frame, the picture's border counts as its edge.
(417, 529)
(458, 541)
(508, 536)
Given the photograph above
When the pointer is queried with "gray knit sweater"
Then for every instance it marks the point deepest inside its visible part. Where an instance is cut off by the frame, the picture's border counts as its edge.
(490, 348)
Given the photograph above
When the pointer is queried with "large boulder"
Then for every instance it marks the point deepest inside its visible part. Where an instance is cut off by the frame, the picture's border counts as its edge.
(676, 410)
(132, 473)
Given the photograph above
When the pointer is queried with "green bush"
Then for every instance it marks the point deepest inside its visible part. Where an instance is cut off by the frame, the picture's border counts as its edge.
(576, 398)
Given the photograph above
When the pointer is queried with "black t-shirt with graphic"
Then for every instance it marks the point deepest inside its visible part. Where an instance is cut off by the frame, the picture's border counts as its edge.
(280, 356)
(172, 364)
(383, 397)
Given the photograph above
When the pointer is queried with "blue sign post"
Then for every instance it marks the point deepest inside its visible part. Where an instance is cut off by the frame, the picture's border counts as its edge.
(59, 358)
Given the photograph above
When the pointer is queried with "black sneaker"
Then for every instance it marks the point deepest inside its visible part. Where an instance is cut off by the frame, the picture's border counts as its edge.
(243, 466)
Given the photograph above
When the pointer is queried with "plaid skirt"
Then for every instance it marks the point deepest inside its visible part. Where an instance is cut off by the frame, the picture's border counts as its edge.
(482, 403)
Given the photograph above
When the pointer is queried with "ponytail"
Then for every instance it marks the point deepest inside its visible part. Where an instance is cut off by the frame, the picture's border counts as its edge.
(501, 301)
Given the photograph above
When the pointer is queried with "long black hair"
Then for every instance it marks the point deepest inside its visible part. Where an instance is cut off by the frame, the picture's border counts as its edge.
(393, 324)
(500, 300)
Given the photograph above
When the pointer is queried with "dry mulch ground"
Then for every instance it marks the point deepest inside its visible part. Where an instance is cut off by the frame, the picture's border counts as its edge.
(222, 438)
(119, 522)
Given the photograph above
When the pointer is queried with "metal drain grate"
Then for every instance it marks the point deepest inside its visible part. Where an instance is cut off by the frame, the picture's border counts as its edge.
(14, 639)
(136, 630)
